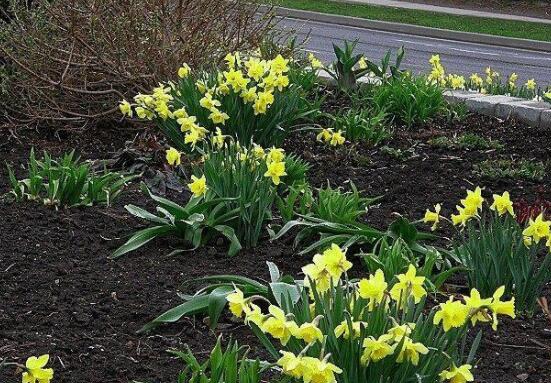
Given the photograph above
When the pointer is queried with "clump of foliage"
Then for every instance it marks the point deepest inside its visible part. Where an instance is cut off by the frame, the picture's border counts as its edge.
(252, 99)
(470, 141)
(75, 59)
(363, 124)
(66, 182)
(411, 100)
(514, 169)
(368, 330)
(229, 365)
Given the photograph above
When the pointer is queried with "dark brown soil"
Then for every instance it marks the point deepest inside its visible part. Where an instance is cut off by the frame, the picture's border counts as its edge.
(532, 8)
(59, 294)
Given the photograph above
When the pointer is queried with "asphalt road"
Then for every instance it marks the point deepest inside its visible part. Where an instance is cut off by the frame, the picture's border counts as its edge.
(457, 57)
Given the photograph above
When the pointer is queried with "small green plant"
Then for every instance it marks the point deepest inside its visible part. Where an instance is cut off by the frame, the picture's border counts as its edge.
(66, 182)
(229, 365)
(412, 100)
(298, 200)
(469, 141)
(200, 220)
(495, 253)
(514, 169)
(334, 205)
(399, 154)
(241, 180)
(364, 124)
(296, 169)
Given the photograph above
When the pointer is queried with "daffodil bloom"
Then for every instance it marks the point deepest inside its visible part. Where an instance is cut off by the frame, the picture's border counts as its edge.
(547, 95)
(461, 374)
(180, 113)
(279, 65)
(35, 371)
(236, 79)
(278, 326)
(173, 157)
(399, 331)
(255, 68)
(434, 60)
(433, 216)
(187, 123)
(538, 228)
(309, 332)
(208, 102)
(343, 329)
(291, 364)
(513, 80)
(476, 80)
(409, 284)
(145, 100)
(362, 64)
(223, 88)
(318, 273)
(275, 155)
(376, 349)
(477, 307)
(253, 314)
(195, 134)
(319, 371)
(337, 138)
(335, 261)
(530, 84)
(315, 63)
(281, 82)
(233, 60)
(474, 199)
(410, 351)
(218, 117)
(258, 152)
(452, 314)
(503, 204)
(184, 71)
(373, 288)
(125, 108)
(249, 95)
(276, 170)
(237, 302)
(163, 110)
(465, 214)
(500, 307)
(218, 138)
(325, 135)
(201, 86)
(198, 186)
(144, 113)
(456, 81)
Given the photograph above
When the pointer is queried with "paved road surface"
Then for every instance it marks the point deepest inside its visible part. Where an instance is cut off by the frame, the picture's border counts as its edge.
(457, 57)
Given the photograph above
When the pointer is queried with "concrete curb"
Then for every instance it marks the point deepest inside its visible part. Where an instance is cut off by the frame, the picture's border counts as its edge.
(414, 30)
(533, 113)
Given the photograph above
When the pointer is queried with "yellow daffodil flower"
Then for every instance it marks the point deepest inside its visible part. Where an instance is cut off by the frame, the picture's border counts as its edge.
(253, 314)
(500, 307)
(291, 364)
(198, 186)
(315, 63)
(477, 307)
(362, 64)
(195, 134)
(433, 217)
(530, 84)
(276, 170)
(173, 157)
(513, 80)
(208, 102)
(335, 261)
(319, 371)
(474, 199)
(278, 326)
(279, 65)
(184, 71)
(325, 135)
(337, 138)
(376, 349)
(218, 138)
(465, 214)
(461, 374)
(399, 331)
(408, 284)
(309, 332)
(218, 117)
(255, 68)
(125, 108)
(373, 288)
(434, 60)
(249, 95)
(476, 80)
(275, 155)
(187, 123)
(318, 273)
(344, 330)
(35, 371)
(503, 204)
(410, 351)
(537, 229)
(452, 314)
(237, 302)
(258, 152)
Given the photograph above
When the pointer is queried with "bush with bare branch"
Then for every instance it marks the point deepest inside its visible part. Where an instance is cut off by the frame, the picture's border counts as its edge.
(72, 61)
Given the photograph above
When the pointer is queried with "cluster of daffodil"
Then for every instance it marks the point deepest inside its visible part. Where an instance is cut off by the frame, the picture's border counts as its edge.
(328, 135)
(491, 83)
(205, 101)
(538, 229)
(341, 330)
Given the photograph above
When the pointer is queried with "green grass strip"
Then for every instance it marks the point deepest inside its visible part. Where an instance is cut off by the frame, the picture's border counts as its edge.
(498, 27)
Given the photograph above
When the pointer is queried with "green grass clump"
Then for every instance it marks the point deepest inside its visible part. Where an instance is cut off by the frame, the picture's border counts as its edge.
(514, 169)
